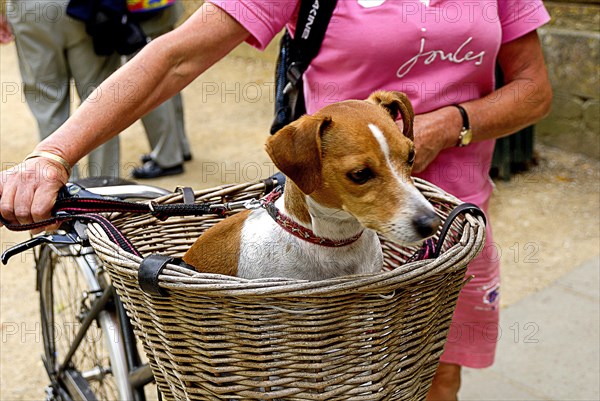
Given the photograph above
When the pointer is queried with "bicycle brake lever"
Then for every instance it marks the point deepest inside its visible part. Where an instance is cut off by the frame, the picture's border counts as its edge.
(72, 190)
(67, 239)
(68, 191)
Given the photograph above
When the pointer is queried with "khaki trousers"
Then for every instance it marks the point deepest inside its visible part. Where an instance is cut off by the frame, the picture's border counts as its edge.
(54, 49)
(164, 125)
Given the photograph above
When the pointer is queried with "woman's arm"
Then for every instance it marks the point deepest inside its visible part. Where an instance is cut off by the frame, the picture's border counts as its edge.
(523, 100)
(159, 71)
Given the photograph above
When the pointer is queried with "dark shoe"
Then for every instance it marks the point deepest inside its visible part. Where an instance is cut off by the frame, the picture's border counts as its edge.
(151, 169)
(146, 157)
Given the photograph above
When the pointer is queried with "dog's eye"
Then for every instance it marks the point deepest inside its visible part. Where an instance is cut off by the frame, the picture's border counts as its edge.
(360, 176)
(411, 156)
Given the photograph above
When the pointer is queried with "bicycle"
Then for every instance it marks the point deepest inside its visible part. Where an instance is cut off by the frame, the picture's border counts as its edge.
(90, 350)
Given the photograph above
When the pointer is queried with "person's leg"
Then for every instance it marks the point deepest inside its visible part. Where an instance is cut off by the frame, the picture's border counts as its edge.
(44, 71)
(162, 131)
(164, 125)
(446, 383)
(166, 157)
(181, 134)
(43, 67)
(89, 70)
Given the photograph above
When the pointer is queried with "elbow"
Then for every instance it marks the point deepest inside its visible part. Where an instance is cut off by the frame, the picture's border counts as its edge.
(539, 101)
(545, 105)
(170, 54)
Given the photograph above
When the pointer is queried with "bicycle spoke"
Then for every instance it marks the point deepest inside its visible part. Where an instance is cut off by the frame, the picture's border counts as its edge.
(68, 299)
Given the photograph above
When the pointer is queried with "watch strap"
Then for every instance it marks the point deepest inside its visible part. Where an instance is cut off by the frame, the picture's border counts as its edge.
(465, 116)
(465, 133)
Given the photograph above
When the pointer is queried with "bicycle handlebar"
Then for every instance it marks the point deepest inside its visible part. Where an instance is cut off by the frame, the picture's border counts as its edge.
(71, 191)
(129, 191)
(75, 203)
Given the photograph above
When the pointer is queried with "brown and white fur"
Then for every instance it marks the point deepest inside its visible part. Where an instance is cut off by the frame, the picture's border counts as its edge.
(348, 169)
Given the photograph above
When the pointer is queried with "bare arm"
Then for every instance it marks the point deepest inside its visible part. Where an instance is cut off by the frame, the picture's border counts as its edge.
(159, 71)
(523, 100)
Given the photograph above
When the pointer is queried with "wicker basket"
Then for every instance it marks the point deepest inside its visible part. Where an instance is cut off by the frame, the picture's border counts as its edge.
(368, 337)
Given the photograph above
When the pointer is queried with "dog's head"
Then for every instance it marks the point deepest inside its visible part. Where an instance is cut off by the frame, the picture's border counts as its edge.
(352, 156)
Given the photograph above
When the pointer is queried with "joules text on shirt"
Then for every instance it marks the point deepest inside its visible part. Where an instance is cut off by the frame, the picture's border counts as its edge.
(460, 55)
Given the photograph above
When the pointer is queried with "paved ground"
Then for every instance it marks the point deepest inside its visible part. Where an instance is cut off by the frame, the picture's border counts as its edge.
(549, 345)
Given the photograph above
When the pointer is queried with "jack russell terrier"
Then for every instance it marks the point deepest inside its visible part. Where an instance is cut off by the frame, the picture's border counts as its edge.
(348, 169)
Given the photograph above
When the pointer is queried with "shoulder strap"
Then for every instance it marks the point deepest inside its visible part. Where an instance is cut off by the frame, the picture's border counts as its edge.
(313, 19)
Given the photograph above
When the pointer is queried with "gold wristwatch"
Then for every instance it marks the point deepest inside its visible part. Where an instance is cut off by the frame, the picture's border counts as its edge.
(466, 135)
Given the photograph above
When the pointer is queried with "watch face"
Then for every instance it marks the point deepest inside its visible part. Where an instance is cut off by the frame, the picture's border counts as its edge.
(467, 137)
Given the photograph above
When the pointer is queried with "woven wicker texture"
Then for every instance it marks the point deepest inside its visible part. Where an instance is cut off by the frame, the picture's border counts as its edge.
(368, 337)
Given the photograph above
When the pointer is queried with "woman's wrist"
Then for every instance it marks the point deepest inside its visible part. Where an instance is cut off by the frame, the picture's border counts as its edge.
(466, 133)
(454, 125)
(53, 156)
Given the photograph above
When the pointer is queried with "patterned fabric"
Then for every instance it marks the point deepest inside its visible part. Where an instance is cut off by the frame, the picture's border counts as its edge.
(141, 6)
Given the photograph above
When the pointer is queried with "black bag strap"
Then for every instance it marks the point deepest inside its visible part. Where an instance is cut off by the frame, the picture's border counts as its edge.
(295, 55)
(313, 19)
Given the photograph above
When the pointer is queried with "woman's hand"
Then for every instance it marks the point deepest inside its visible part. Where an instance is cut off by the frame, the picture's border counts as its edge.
(435, 131)
(28, 190)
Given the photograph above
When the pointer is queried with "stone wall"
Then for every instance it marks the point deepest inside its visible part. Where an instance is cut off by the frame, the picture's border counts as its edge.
(571, 44)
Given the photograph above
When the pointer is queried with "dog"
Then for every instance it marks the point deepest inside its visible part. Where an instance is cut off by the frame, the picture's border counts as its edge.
(348, 172)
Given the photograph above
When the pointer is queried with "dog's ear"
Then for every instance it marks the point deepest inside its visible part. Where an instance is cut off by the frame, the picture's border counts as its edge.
(396, 103)
(296, 151)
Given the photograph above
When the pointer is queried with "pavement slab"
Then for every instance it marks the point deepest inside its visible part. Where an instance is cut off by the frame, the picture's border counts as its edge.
(549, 347)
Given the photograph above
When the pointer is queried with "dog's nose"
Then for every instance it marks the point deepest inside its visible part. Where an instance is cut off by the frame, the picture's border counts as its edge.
(426, 223)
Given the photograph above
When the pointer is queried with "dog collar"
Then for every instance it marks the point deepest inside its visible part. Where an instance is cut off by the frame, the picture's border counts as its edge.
(289, 225)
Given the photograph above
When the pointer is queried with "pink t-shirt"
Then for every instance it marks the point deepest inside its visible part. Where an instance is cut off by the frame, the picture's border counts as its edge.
(438, 52)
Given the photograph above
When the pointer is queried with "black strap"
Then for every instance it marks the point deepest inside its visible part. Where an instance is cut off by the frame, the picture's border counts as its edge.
(274, 181)
(113, 232)
(464, 115)
(151, 267)
(188, 195)
(66, 209)
(431, 250)
(295, 55)
(462, 208)
(313, 19)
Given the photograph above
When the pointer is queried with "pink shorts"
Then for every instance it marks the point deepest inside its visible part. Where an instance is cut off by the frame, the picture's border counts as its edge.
(473, 333)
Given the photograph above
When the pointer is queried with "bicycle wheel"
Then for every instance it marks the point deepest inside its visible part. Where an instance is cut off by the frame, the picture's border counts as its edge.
(70, 291)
